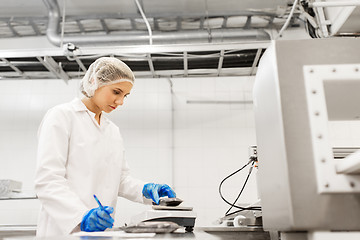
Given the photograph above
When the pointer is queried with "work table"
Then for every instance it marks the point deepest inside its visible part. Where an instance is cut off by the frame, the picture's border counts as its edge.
(198, 234)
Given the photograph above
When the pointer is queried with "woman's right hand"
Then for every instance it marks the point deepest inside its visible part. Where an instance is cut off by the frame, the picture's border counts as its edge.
(97, 220)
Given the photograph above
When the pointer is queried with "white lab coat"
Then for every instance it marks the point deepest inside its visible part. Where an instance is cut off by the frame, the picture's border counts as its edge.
(77, 158)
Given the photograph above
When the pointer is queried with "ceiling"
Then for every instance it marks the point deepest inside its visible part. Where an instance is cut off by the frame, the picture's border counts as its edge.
(21, 8)
(189, 38)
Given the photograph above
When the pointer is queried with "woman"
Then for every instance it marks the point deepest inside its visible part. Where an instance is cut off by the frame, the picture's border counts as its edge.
(81, 153)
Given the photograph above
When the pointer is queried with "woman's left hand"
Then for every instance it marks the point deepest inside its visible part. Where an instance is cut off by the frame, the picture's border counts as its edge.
(155, 191)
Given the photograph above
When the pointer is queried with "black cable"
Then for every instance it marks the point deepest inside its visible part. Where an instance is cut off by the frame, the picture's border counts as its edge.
(221, 183)
(249, 208)
(252, 160)
(242, 189)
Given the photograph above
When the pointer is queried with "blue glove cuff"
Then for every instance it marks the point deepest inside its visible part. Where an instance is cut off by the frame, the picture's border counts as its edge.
(146, 189)
(86, 215)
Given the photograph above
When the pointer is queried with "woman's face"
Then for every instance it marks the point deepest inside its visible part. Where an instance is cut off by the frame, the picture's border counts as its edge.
(109, 97)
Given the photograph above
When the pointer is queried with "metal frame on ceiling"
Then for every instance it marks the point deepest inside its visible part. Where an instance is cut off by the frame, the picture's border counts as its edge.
(230, 59)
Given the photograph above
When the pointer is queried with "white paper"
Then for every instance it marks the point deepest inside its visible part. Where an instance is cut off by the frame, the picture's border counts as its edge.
(115, 234)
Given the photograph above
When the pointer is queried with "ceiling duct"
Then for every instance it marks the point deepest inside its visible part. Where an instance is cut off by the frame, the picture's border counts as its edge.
(183, 37)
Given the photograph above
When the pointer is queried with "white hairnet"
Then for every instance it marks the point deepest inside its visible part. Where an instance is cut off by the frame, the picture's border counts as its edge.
(105, 71)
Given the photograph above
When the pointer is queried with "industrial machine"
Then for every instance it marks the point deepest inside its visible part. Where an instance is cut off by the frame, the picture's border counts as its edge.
(309, 187)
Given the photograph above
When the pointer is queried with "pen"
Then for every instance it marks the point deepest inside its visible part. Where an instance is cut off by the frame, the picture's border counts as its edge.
(100, 205)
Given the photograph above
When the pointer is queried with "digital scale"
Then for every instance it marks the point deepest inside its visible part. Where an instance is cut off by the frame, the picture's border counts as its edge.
(168, 211)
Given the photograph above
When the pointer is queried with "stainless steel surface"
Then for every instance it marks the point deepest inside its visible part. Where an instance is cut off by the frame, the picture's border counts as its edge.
(17, 231)
(196, 235)
(215, 229)
(286, 175)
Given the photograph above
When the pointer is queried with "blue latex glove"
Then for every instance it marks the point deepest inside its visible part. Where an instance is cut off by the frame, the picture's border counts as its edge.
(155, 191)
(97, 220)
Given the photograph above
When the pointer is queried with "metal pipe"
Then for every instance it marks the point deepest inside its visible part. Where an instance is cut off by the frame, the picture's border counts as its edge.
(287, 20)
(195, 36)
(256, 60)
(335, 4)
(185, 64)
(221, 60)
(145, 20)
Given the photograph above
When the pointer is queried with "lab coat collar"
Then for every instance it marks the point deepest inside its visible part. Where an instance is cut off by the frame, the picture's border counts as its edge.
(80, 106)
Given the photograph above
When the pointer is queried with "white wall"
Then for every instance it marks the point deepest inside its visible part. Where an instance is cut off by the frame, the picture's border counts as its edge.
(22, 106)
(211, 141)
